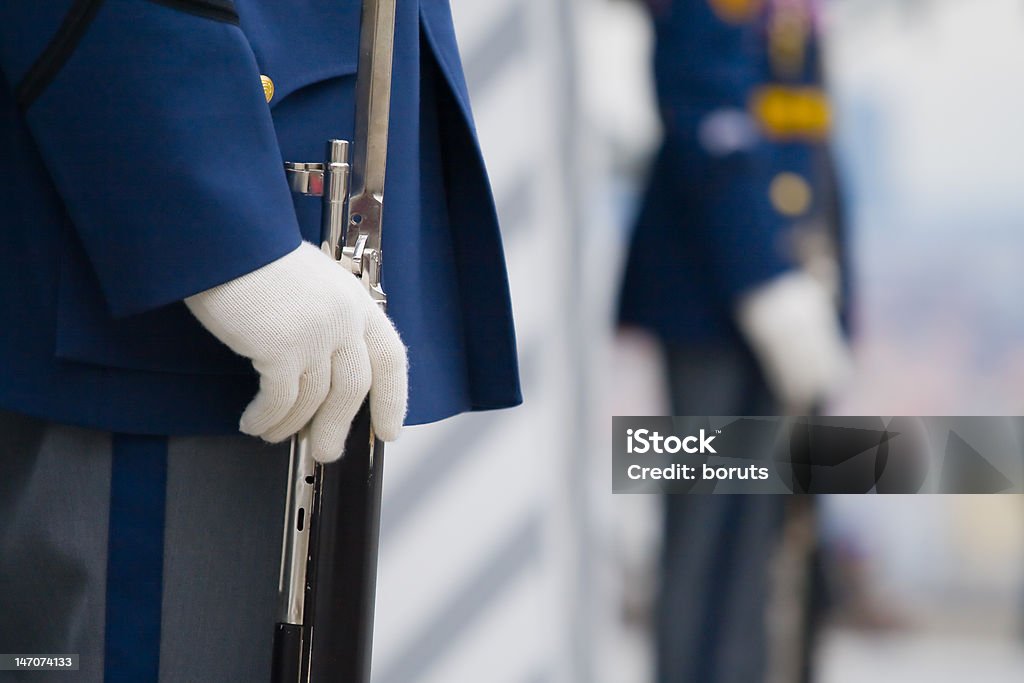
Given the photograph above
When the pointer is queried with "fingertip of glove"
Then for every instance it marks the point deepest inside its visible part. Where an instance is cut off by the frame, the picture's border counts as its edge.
(388, 430)
(245, 426)
(326, 457)
(256, 428)
(276, 438)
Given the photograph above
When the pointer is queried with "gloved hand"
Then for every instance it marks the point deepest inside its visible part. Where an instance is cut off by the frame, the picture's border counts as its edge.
(792, 327)
(318, 342)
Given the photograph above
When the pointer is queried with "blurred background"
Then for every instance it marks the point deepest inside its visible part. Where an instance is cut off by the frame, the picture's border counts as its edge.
(505, 557)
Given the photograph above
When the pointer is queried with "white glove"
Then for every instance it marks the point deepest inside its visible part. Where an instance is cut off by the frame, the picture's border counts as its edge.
(319, 344)
(792, 327)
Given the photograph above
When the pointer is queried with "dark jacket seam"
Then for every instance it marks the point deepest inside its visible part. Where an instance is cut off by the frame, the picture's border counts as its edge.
(217, 10)
(57, 52)
(73, 27)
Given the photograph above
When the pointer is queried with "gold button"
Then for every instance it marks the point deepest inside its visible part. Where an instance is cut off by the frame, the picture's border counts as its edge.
(268, 87)
(791, 194)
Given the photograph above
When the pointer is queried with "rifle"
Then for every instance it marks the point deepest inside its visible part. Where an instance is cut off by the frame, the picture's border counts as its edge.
(328, 574)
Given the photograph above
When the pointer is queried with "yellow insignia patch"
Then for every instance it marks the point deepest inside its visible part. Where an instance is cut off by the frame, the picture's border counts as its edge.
(792, 113)
(736, 11)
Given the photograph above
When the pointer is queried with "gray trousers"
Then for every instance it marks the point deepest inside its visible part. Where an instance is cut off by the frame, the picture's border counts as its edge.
(222, 545)
(717, 548)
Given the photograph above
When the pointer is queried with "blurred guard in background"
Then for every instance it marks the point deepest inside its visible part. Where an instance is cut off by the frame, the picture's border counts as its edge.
(792, 110)
(716, 270)
(146, 215)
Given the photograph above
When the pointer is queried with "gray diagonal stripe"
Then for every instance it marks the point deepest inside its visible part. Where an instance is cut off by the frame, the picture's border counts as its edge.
(505, 39)
(445, 458)
(516, 204)
(517, 553)
(428, 474)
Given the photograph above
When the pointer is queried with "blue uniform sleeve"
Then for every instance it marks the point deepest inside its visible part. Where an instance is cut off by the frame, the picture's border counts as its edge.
(152, 122)
(708, 64)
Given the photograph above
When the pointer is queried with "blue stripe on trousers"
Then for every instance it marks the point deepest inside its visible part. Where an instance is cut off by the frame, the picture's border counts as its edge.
(135, 554)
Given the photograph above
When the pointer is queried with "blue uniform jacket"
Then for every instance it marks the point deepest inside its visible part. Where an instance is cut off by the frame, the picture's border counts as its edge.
(143, 164)
(707, 231)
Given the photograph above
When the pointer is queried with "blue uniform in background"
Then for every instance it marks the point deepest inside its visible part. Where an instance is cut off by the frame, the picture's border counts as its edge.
(732, 197)
(142, 165)
(706, 231)
(738, 111)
